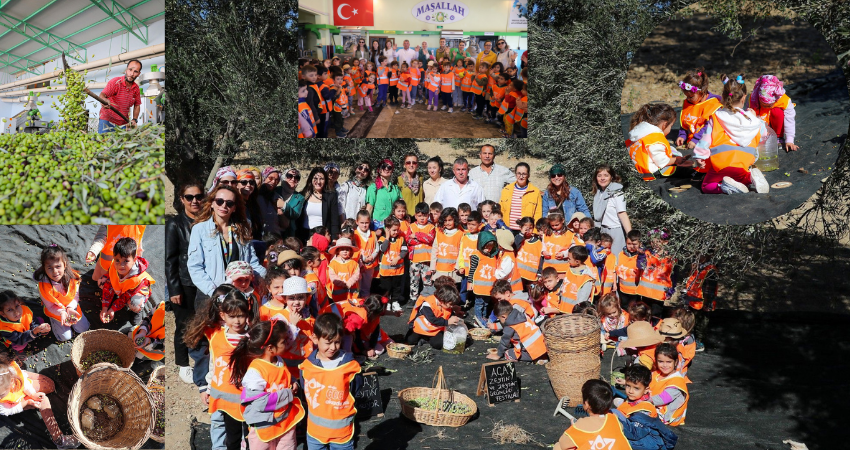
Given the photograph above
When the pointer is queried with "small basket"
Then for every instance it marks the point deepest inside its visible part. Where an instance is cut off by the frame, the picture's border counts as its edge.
(129, 391)
(572, 333)
(398, 351)
(441, 392)
(97, 340)
(480, 334)
(156, 389)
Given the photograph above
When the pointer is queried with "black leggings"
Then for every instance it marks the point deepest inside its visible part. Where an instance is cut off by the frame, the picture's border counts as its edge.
(436, 341)
(183, 313)
(233, 428)
(479, 104)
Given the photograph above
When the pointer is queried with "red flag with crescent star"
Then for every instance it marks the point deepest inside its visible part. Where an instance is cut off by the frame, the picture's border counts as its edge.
(353, 13)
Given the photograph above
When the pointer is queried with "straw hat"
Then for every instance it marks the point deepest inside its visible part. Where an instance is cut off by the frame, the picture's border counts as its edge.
(672, 328)
(295, 285)
(641, 334)
(505, 239)
(286, 255)
(340, 244)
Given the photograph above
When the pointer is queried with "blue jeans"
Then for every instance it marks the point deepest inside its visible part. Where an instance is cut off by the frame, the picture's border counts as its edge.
(313, 444)
(201, 356)
(413, 91)
(462, 290)
(217, 433)
(382, 93)
(457, 97)
(481, 305)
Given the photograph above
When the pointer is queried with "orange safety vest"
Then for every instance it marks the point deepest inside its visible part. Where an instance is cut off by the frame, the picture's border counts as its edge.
(447, 82)
(415, 76)
(21, 326)
(223, 395)
(460, 74)
(447, 250)
(321, 293)
(348, 82)
(514, 277)
(346, 307)
(686, 355)
(277, 378)
(655, 279)
(366, 74)
(383, 76)
(157, 331)
(554, 244)
(528, 259)
(727, 153)
(568, 295)
(524, 122)
(466, 82)
(324, 107)
(116, 232)
(693, 287)
(530, 339)
(344, 271)
(128, 284)
(393, 251)
(393, 77)
(50, 294)
(609, 274)
(364, 89)
(367, 247)
(485, 274)
(304, 108)
(329, 401)
(16, 392)
(356, 76)
(497, 93)
(764, 113)
(639, 152)
(421, 253)
(644, 406)
(341, 101)
(404, 82)
(659, 384)
(419, 302)
(627, 273)
(433, 81)
(403, 228)
(422, 326)
(504, 106)
(525, 305)
(468, 246)
(608, 437)
(519, 114)
(597, 281)
(476, 88)
(267, 311)
(693, 116)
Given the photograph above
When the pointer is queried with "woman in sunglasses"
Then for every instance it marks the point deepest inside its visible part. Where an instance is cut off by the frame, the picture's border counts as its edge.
(180, 286)
(362, 51)
(381, 195)
(321, 207)
(247, 185)
(352, 193)
(221, 235)
(224, 176)
(410, 182)
(506, 56)
(559, 195)
(292, 200)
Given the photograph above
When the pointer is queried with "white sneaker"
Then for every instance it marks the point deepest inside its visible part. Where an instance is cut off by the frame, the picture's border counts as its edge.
(735, 185)
(396, 307)
(451, 110)
(443, 108)
(186, 373)
(760, 182)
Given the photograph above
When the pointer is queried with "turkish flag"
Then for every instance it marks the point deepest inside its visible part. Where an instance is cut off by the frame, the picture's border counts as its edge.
(353, 13)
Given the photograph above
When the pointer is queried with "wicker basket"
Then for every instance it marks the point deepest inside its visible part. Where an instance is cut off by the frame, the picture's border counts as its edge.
(480, 334)
(436, 417)
(572, 333)
(567, 383)
(398, 351)
(155, 391)
(96, 340)
(130, 393)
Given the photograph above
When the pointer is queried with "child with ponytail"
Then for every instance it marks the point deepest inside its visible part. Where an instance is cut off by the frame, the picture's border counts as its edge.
(727, 149)
(698, 106)
(647, 144)
(268, 391)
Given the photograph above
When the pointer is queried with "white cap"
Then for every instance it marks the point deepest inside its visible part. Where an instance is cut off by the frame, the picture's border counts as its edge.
(294, 286)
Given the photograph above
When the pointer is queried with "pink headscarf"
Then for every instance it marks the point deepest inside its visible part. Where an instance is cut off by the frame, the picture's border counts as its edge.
(768, 89)
(222, 172)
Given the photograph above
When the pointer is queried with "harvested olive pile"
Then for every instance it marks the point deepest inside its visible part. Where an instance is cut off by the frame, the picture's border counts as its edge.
(69, 177)
(101, 417)
(157, 390)
(430, 404)
(74, 115)
(100, 356)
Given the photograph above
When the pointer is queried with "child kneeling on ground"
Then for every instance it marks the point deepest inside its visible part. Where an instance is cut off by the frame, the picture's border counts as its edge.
(432, 317)
(519, 332)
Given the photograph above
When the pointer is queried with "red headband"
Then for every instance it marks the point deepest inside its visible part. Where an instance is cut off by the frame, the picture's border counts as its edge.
(273, 321)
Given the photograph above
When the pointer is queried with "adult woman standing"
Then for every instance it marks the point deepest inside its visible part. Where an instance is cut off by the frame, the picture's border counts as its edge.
(560, 195)
(321, 207)
(521, 199)
(362, 51)
(435, 179)
(381, 195)
(506, 56)
(389, 52)
(609, 206)
(353, 191)
(248, 188)
(221, 234)
(293, 201)
(225, 176)
(375, 52)
(180, 286)
(410, 183)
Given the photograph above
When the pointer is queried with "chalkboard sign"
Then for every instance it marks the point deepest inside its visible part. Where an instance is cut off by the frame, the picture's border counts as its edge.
(499, 382)
(368, 401)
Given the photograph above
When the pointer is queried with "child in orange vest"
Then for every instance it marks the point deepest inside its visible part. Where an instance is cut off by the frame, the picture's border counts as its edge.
(340, 101)
(126, 284)
(297, 313)
(393, 249)
(460, 74)
(466, 88)
(404, 85)
(700, 293)
(432, 317)
(629, 263)
(420, 247)
(637, 392)
(367, 251)
(369, 339)
(773, 106)
(647, 143)
(20, 390)
(393, 92)
(269, 394)
(58, 287)
(316, 283)
(447, 87)
(529, 246)
(521, 113)
(669, 387)
(468, 244)
(556, 243)
(482, 274)
(383, 77)
(522, 339)
(641, 341)
(432, 83)
(364, 91)
(318, 105)
(273, 303)
(343, 272)
(602, 425)
(727, 150)
(18, 327)
(306, 119)
(681, 336)
(498, 91)
(330, 378)
(348, 84)
(446, 245)
(698, 106)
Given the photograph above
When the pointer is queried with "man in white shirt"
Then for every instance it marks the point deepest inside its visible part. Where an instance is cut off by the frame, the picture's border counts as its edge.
(460, 189)
(490, 176)
(406, 54)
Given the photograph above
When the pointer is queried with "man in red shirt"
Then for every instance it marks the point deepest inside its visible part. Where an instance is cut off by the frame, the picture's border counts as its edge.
(121, 93)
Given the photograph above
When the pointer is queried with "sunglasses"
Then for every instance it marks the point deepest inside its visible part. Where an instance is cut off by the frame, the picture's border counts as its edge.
(364, 168)
(227, 182)
(556, 175)
(191, 198)
(229, 203)
(410, 163)
(247, 182)
(293, 176)
(386, 167)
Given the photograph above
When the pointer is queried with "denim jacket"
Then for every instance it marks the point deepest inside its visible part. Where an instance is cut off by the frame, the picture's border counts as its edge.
(574, 203)
(205, 264)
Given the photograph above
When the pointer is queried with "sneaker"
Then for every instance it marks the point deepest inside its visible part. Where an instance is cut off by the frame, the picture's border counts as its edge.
(700, 347)
(451, 110)
(396, 307)
(341, 135)
(729, 186)
(344, 130)
(443, 108)
(428, 108)
(478, 323)
(370, 109)
(67, 441)
(397, 112)
(186, 373)
(409, 106)
(361, 107)
(759, 181)
(476, 116)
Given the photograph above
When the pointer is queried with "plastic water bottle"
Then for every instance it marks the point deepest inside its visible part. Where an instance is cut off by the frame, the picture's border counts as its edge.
(768, 150)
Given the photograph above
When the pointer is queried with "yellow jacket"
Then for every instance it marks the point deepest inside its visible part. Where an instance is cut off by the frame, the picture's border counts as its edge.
(532, 202)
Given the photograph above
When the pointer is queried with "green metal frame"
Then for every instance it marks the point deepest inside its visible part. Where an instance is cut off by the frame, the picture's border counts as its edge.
(24, 63)
(125, 18)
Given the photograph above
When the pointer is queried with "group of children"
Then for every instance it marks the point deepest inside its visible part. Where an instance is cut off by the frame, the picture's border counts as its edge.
(327, 91)
(125, 283)
(723, 131)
